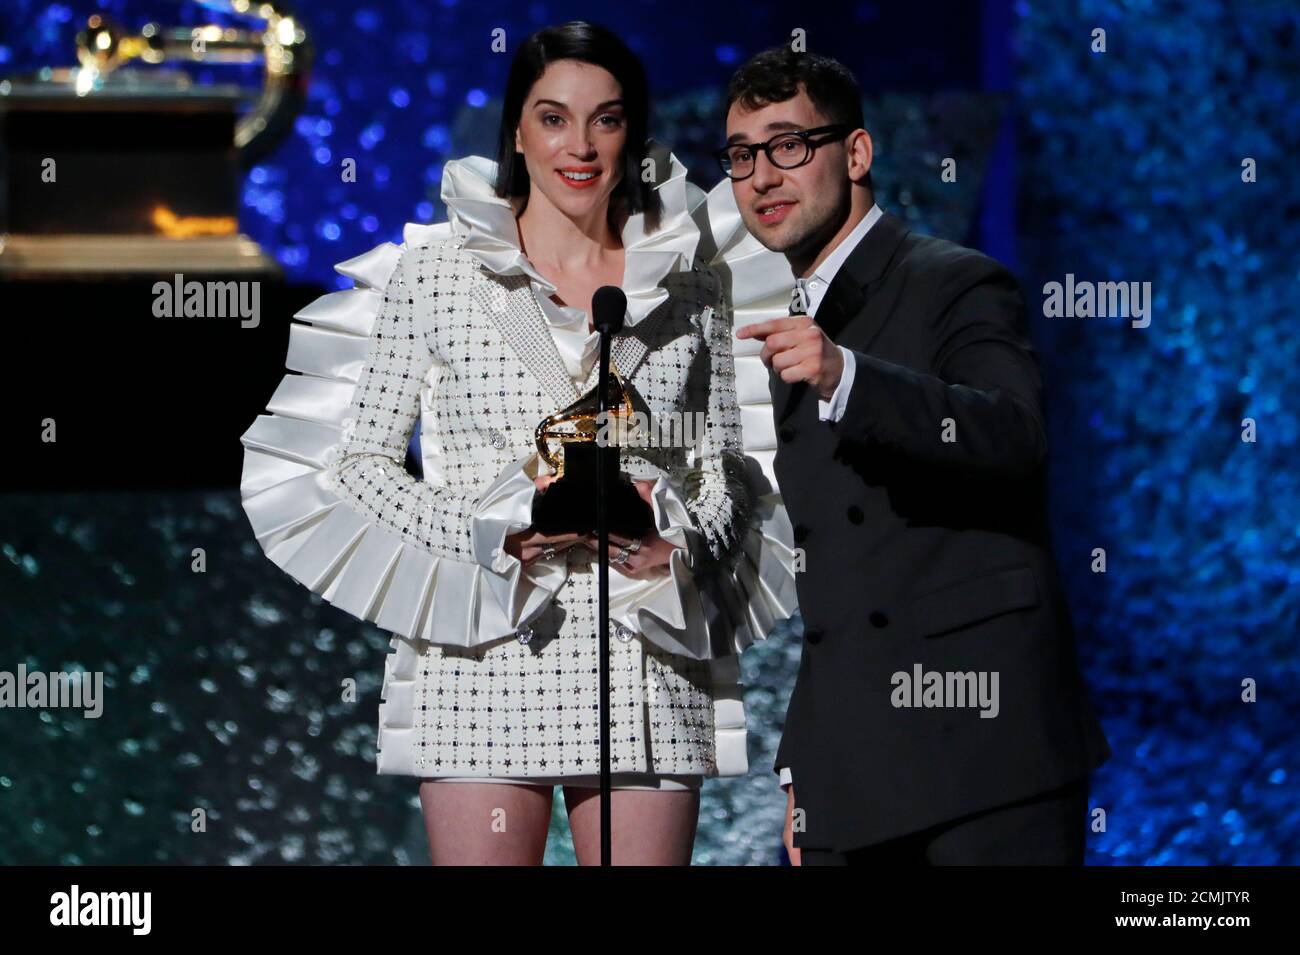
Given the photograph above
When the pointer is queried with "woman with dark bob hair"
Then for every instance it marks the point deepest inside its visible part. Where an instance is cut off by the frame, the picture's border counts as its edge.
(470, 332)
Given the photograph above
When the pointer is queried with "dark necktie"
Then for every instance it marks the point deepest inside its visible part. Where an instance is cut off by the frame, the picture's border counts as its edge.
(780, 389)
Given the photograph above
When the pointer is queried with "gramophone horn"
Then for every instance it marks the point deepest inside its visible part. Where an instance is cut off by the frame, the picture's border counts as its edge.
(283, 46)
(579, 420)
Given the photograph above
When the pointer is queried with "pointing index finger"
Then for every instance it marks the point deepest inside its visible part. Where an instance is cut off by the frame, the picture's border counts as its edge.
(761, 330)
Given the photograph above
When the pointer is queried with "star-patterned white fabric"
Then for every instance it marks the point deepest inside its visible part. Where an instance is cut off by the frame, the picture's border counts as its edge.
(446, 333)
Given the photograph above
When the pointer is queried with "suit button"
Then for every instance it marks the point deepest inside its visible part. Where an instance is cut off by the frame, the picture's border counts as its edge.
(812, 635)
(878, 619)
(800, 533)
(855, 514)
(787, 434)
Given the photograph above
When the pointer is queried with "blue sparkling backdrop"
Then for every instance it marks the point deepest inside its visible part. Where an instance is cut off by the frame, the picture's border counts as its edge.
(1131, 170)
(1124, 166)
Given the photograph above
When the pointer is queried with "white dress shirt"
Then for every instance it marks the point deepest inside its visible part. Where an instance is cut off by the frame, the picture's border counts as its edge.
(815, 290)
(577, 344)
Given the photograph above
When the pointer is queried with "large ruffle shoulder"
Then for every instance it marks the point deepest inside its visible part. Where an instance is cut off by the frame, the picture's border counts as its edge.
(299, 516)
(758, 283)
(757, 591)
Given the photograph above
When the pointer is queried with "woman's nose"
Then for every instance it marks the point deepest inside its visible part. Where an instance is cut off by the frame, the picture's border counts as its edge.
(580, 144)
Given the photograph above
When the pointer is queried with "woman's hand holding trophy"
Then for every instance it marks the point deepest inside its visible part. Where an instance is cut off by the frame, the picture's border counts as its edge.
(642, 559)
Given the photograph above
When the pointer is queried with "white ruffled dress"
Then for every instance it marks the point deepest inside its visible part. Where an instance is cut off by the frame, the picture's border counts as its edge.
(493, 674)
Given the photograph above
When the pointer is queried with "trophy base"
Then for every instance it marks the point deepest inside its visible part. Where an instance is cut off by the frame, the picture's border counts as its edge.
(568, 505)
(40, 256)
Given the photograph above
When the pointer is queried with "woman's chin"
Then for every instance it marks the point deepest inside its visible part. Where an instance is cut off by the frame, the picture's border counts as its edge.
(576, 205)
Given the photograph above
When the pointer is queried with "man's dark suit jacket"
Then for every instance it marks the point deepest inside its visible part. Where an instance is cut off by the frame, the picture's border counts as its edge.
(925, 551)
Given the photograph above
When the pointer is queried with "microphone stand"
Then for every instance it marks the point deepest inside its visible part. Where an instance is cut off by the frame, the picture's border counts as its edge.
(602, 538)
(609, 305)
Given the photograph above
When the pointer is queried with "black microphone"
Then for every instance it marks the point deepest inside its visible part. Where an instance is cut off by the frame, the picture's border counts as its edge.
(607, 307)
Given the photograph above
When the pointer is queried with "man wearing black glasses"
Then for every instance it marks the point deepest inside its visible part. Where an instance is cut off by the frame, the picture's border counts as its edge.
(939, 715)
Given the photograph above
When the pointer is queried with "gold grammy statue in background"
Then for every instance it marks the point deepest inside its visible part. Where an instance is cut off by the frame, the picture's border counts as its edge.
(103, 47)
(123, 165)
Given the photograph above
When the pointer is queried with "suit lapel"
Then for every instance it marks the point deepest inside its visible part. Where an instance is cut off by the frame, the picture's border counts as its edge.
(841, 304)
(845, 300)
(508, 300)
(630, 346)
(625, 353)
(856, 279)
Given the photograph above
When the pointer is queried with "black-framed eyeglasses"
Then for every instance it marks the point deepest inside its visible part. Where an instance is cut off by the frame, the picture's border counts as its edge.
(785, 150)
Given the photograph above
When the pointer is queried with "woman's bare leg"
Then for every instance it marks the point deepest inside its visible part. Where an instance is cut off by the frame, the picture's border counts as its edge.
(649, 827)
(486, 823)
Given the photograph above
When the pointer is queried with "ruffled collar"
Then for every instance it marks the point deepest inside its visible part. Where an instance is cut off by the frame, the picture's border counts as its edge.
(487, 222)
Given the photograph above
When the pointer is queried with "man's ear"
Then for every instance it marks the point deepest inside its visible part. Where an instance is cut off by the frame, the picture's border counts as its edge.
(860, 154)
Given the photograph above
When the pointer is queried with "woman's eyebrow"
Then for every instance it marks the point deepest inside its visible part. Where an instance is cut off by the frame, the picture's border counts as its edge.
(599, 106)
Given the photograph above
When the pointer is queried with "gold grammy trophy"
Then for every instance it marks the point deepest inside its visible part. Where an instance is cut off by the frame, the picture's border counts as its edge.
(568, 505)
